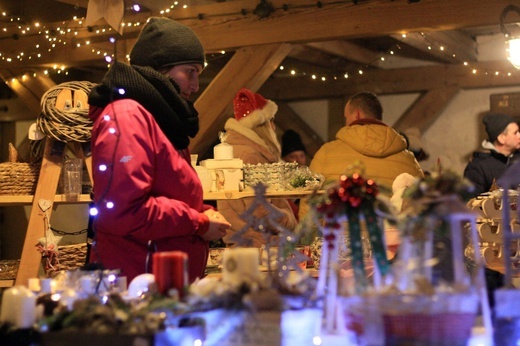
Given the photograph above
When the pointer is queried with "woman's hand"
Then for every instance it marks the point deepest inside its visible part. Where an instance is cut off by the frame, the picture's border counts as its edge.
(217, 225)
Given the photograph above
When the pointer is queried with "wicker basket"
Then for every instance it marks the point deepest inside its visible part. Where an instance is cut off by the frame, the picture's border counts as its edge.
(69, 257)
(18, 178)
(72, 256)
(445, 319)
(9, 269)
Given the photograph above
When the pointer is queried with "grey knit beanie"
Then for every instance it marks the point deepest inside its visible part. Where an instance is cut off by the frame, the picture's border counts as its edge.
(164, 42)
(496, 123)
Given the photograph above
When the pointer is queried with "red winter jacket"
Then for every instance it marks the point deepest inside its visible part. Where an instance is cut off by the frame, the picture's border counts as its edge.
(155, 192)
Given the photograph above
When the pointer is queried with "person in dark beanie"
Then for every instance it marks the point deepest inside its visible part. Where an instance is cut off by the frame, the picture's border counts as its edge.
(148, 196)
(502, 148)
(485, 168)
(293, 149)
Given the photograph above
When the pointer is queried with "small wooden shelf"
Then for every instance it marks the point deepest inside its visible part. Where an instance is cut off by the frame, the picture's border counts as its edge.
(28, 200)
(85, 198)
(223, 195)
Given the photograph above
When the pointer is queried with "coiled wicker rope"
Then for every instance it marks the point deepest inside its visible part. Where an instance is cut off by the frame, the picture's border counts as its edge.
(70, 124)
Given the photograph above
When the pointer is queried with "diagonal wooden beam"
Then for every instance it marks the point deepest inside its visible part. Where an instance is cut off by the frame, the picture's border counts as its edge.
(248, 68)
(425, 110)
(286, 118)
(30, 91)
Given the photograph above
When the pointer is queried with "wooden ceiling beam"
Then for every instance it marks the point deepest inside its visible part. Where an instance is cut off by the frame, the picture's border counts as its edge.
(348, 51)
(426, 109)
(307, 54)
(222, 26)
(249, 68)
(30, 91)
(395, 81)
(366, 19)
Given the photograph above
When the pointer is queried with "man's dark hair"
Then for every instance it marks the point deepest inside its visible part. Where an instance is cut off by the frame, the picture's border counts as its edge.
(368, 103)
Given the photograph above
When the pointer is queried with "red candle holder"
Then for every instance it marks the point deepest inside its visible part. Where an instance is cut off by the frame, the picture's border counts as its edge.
(170, 269)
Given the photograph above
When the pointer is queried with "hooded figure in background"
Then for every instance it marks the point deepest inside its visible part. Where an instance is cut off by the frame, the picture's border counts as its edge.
(252, 134)
(293, 149)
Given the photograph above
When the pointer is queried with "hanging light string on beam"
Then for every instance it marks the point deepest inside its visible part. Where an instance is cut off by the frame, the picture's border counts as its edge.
(18, 27)
(69, 36)
(288, 71)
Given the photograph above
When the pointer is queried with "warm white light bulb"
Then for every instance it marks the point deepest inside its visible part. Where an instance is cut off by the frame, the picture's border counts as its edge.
(513, 52)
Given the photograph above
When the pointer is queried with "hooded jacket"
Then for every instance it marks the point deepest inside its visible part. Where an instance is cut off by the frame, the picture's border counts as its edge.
(249, 147)
(485, 167)
(155, 195)
(379, 148)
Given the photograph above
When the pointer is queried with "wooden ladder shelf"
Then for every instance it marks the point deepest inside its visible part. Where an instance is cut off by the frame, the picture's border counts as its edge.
(46, 187)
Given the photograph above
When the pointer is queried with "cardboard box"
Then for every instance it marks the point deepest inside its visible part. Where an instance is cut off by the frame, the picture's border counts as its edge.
(228, 179)
(222, 164)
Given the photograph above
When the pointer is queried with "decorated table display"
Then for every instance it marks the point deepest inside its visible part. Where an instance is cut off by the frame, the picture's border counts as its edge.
(160, 307)
(80, 306)
(250, 307)
(434, 299)
(425, 297)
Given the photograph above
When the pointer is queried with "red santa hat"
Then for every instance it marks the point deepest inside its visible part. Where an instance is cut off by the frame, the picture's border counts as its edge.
(253, 109)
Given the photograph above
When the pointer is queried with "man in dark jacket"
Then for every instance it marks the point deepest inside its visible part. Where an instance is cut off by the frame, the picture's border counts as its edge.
(503, 144)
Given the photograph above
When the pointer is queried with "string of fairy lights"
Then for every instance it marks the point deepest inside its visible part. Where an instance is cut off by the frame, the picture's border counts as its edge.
(68, 35)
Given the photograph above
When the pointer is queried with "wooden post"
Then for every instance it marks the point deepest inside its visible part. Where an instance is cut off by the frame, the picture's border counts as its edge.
(45, 190)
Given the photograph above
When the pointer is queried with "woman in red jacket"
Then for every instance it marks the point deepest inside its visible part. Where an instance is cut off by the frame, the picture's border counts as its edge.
(146, 191)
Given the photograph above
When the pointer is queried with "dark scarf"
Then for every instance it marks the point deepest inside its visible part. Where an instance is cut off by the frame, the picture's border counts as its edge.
(159, 94)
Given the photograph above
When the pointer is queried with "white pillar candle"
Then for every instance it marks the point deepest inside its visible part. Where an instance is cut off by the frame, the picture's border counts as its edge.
(223, 151)
(26, 310)
(240, 265)
(46, 286)
(7, 312)
(34, 284)
(18, 307)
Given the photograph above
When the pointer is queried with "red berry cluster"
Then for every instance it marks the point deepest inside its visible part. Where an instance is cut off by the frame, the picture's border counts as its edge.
(351, 191)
